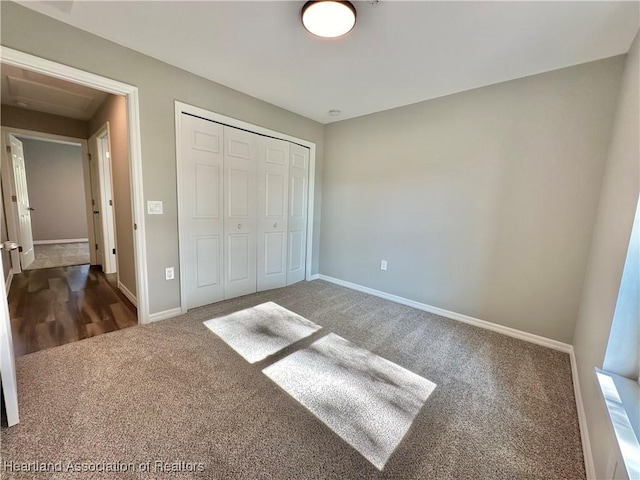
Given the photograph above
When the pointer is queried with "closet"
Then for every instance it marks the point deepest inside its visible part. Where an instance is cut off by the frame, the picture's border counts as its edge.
(243, 211)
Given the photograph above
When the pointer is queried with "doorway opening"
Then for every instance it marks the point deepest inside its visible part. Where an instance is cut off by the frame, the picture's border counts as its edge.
(59, 289)
(75, 278)
(45, 188)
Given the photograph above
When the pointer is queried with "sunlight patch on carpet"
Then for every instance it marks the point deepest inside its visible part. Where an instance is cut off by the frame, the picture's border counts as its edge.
(260, 331)
(368, 401)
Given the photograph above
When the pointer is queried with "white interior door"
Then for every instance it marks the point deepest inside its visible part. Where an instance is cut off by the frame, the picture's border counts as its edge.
(240, 211)
(297, 224)
(7, 357)
(27, 255)
(273, 179)
(201, 181)
(95, 201)
(106, 203)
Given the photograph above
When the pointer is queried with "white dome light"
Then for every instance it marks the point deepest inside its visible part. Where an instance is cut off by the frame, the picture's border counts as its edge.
(328, 18)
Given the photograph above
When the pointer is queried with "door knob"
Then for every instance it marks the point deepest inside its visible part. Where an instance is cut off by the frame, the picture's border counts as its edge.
(96, 212)
(275, 225)
(239, 226)
(31, 209)
(8, 246)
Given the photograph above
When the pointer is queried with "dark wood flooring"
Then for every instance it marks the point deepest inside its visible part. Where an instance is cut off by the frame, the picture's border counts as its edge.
(55, 306)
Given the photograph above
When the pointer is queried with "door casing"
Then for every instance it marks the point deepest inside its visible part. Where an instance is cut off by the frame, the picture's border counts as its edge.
(102, 194)
(57, 70)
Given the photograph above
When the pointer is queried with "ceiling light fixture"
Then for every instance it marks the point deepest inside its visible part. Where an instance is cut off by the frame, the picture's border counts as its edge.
(328, 18)
(334, 113)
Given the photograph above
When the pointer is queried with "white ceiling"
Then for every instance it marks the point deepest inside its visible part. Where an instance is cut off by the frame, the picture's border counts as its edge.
(399, 53)
(33, 91)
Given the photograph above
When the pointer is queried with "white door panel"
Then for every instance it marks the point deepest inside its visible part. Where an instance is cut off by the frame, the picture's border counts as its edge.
(238, 247)
(27, 256)
(299, 157)
(297, 221)
(276, 194)
(107, 209)
(276, 151)
(206, 141)
(238, 186)
(200, 210)
(96, 202)
(240, 212)
(207, 201)
(207, 261)
(273, 179)
(243, 210)
(242, 147)
(103, 215)
(275, 254)
(7, 357)
(296, 247)
(297, 190)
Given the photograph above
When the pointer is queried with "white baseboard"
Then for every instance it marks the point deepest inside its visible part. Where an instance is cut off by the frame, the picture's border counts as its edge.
(511, 332)
(172, 312)
(127, 293)
(61, 240)
(9, 280)
(315, 276)
(582, 420)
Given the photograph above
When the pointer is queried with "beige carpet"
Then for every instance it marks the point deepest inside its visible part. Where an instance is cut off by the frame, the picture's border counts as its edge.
(174, 392)
(60, 255)
(261, 331)
(368, 401)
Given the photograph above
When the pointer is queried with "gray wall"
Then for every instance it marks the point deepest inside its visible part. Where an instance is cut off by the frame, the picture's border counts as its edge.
(114, 111)
(615, 214)
(42, 122)
(482, 202)
(55, 181)
(159, 85)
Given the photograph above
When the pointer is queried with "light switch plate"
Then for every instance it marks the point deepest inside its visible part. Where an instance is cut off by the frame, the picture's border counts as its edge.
(168, 273)
(154, 207)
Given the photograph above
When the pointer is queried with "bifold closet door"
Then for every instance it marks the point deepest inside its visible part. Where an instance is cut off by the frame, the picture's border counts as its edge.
(273, 180)
(201, 210)
(297, 222)
(240, 211)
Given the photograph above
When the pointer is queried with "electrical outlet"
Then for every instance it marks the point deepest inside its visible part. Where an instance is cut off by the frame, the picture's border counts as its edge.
(383, 264)
(168, 273)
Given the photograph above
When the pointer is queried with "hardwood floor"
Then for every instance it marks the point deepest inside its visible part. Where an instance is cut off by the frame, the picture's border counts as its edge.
(55, 306)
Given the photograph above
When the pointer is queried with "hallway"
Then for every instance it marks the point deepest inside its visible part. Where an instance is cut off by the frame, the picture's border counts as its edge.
(60, 255)
(55, 306)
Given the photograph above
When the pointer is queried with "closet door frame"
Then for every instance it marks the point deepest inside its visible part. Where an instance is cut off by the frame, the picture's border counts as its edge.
(181, 108)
